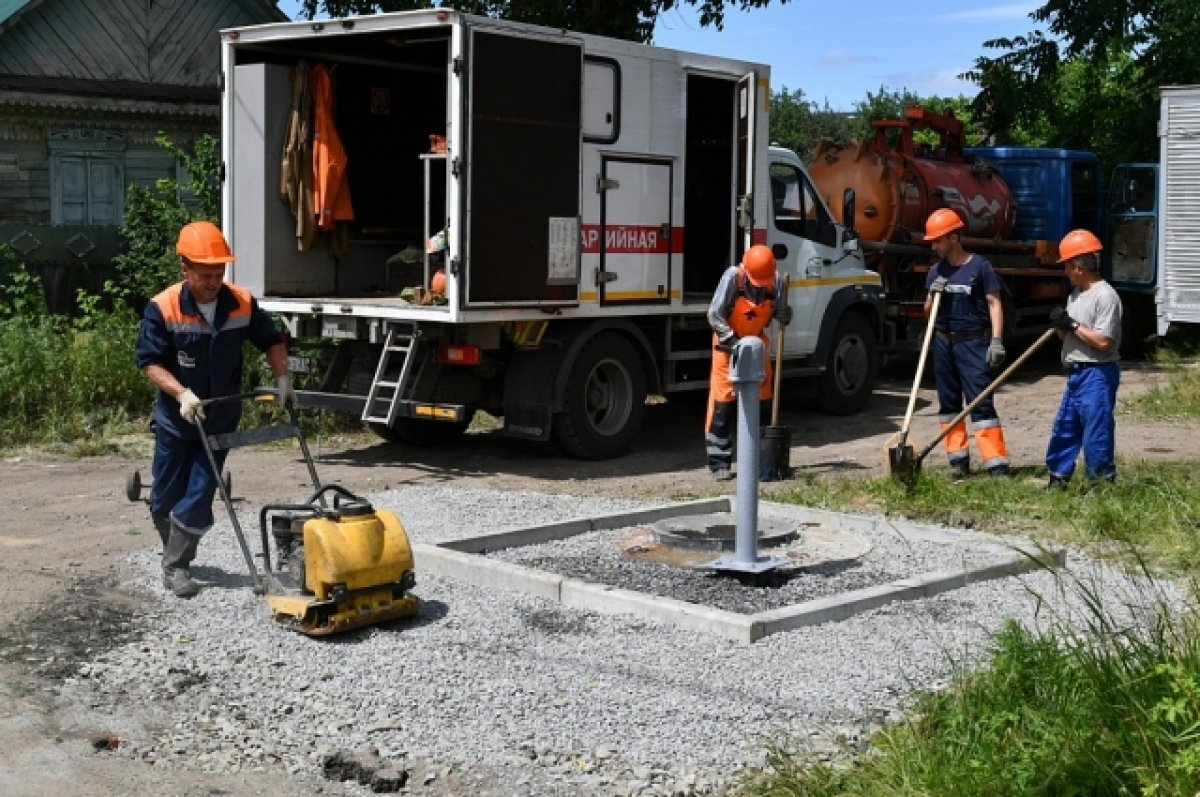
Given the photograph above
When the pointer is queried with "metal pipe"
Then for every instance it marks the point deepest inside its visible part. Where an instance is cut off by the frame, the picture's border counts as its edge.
(746, 372)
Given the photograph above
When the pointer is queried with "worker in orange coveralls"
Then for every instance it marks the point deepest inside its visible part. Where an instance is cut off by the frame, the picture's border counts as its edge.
(743, 305)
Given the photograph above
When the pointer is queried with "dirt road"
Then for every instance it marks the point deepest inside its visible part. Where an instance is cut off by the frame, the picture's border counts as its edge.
(69, 522)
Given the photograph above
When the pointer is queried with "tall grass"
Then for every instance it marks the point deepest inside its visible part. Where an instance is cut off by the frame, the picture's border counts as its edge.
(1106, 705)
(69, 382)
(1150, 509)
(1179, 398)
(72, 385)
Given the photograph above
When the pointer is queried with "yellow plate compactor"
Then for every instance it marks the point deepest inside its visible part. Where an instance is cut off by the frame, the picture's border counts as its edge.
(339, 563)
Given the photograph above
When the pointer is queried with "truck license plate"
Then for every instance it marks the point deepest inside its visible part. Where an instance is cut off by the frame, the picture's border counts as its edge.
(339, 328)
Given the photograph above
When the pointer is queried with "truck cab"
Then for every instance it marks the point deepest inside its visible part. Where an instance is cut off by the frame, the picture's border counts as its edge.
(833, 295)
(1130, 260)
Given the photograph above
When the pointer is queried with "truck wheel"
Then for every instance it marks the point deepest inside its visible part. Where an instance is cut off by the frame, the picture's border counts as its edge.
(415, 432)
(605, 400)
(849, 375)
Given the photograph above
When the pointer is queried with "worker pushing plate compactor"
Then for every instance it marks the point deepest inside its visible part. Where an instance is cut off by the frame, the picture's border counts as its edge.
(339, 562)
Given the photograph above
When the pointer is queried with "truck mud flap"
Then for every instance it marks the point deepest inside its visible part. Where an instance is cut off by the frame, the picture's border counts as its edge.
(529, 393)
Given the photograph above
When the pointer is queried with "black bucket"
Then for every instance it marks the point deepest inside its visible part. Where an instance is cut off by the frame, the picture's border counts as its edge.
(774, 453)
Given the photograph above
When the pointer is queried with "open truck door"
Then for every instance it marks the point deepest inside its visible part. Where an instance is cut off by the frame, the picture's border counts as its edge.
(522, 200)
(747, 130)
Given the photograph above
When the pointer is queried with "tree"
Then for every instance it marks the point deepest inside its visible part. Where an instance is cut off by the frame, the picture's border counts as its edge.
(798, 123)
(1091, 79)
(153, 218)
(622, 19)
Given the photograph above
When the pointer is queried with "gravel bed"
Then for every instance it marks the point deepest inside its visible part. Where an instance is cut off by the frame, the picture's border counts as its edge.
(893, 555)
(494, 693)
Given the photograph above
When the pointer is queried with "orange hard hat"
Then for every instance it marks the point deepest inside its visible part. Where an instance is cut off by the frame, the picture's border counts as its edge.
(437, 283)
(202, 242)
(942, 221)
(1076, 243)
(759, 263)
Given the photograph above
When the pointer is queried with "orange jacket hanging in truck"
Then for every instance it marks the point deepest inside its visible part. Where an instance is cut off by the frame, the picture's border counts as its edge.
(331, 190)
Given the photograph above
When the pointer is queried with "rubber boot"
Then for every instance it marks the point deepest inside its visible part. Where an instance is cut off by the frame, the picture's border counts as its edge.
(162, 524)
(178, 554)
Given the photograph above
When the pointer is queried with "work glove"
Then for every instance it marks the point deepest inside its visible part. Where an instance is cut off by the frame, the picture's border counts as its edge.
(996, 353)
(938, 285)
(727, 343)
(1061, 319)
(783, 314)
(190, 408)
(284, 392)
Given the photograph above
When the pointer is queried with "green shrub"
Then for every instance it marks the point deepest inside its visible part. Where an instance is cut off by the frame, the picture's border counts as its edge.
(21, 293)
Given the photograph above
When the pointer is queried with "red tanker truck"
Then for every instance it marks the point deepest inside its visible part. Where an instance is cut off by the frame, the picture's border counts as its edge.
(1016, 202)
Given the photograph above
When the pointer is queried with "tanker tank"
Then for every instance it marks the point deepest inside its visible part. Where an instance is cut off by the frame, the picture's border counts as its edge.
(898, 182)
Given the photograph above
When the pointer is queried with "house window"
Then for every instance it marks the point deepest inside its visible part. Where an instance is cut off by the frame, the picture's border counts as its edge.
(87, 177)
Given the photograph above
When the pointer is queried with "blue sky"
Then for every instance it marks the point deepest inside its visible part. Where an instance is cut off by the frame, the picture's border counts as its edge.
(840, 52)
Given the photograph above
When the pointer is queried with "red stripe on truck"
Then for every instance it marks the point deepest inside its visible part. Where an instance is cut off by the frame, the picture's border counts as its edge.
(631, 239)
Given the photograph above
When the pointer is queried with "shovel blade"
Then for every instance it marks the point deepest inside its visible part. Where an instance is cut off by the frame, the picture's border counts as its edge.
(902, 463)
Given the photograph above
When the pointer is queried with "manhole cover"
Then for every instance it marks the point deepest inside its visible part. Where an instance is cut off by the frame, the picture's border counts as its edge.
(718, 532)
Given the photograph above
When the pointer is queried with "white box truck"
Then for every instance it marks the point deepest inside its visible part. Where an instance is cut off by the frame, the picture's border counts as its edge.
(1152, 251)
(581, 199)
(1178, 243)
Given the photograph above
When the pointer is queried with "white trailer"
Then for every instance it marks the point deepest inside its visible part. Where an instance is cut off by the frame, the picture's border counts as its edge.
(587, 197)
(1178, 241)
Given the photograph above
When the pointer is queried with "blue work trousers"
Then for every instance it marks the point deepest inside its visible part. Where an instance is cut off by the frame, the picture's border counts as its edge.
(961, 371)
(184, 482)
(1085, 420)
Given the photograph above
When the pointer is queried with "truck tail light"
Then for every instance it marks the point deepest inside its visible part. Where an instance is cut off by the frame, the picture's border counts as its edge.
(458, 354)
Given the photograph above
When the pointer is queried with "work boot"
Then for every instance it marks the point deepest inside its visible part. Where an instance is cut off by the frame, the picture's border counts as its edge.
(722, 474)
(959, 470)
(162, 524)
(178, 554)
(1057, 483)
(999, 471)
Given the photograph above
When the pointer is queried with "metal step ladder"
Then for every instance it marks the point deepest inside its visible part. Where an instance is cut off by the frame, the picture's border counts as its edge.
(386, 394)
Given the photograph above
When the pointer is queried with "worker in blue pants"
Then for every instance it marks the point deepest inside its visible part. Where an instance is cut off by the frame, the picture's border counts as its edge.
(967, 344)
(1090, 329)
(189, 346)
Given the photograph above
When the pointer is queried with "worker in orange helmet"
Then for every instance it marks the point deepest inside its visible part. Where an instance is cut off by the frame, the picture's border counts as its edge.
(1090, 329)
(968, 344)
(189, 346)
(745, 301)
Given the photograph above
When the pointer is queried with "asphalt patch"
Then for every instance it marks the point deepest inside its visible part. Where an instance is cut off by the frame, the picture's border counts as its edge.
(90, 618)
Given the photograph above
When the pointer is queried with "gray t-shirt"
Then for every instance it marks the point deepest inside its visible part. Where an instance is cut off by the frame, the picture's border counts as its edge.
(1099, 307)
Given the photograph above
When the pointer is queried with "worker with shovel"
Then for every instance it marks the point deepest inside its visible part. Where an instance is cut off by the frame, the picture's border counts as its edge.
(745, 301)
(967, 344)
(190, 347)
(1090, 329)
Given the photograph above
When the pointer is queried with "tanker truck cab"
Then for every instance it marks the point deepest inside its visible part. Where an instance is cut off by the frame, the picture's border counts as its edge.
(836, 328)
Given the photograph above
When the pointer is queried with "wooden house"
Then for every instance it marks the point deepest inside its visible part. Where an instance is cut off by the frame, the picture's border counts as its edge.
(85, 87)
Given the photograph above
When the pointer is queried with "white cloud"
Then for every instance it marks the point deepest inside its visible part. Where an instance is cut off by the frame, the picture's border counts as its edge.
(929, 82)
(990, 13)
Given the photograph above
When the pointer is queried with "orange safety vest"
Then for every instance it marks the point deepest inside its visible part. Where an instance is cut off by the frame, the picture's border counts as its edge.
(746, 318)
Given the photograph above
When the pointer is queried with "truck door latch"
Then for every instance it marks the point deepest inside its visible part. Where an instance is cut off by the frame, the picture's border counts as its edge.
(606, 184)
(605, 276)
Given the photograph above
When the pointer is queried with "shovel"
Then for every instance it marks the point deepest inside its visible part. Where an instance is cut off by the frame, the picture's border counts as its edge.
(911, 476)
(776, 441)
(900, 455)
